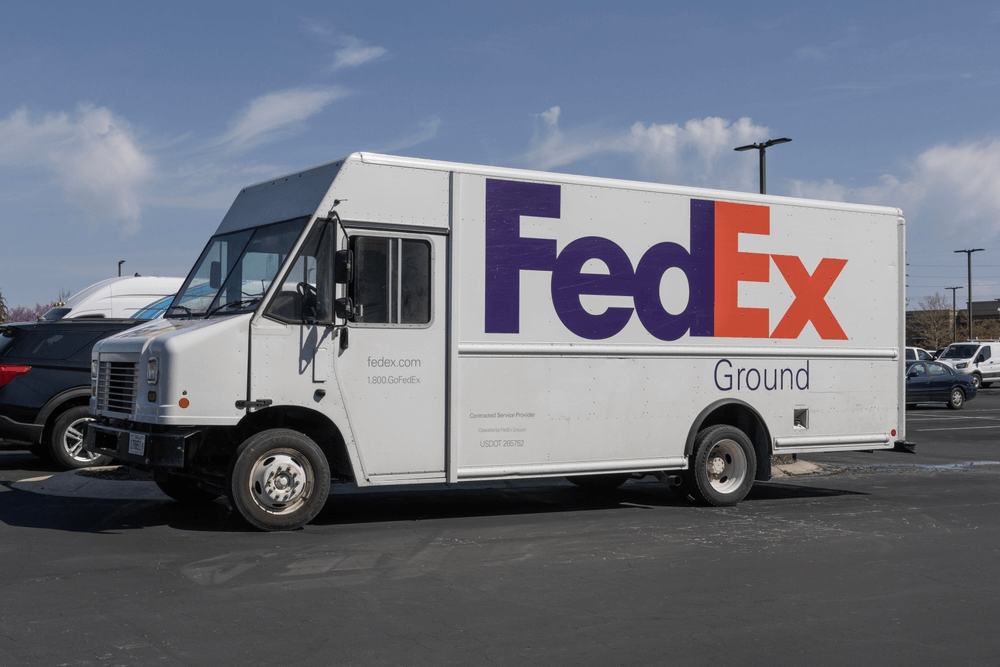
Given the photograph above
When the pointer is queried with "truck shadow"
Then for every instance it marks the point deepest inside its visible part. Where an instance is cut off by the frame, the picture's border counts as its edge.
(356, 506)
(522, 498)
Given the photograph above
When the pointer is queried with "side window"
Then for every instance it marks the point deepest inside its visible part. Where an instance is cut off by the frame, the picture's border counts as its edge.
(392, 281)
(919, 370)
(937, 370)
(910, 354)
(306, 295)
(985, 352)
(925, 356)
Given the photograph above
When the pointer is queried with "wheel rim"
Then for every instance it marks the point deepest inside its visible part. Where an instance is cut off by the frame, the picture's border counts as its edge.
(976, 380)
(72, 441)
(956, 397)
(281, 481)
(726, 466)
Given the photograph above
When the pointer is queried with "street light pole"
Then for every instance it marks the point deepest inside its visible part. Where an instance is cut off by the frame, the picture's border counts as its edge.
(763, 162)
(968, 255)
(954, 320)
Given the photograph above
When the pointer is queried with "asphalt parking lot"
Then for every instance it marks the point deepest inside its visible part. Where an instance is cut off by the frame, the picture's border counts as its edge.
(881, 557)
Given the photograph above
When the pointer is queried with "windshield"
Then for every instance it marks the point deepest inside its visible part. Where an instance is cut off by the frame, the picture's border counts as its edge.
(959, 351)
(235, 270)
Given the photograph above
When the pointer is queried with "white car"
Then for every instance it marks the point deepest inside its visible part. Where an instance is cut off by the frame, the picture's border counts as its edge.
(918, 354)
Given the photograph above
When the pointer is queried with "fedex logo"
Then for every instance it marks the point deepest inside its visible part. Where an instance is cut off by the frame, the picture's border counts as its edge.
(714, 267)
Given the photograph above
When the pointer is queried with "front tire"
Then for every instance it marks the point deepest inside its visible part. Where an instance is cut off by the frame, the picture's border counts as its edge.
(724, 466)
(957, 399)
(66, 441)
(977, 380)
(278, 480)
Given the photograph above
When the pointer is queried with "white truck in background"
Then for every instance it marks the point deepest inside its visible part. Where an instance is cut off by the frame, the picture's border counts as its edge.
(381, 320)
(120, 297)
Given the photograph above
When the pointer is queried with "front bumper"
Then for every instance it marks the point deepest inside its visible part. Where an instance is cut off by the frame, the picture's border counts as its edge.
(156, 450)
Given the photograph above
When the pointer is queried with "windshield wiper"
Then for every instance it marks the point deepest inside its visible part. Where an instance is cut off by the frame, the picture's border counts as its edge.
(232, 304)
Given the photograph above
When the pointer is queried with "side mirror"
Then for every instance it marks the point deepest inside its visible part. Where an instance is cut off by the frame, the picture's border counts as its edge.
(215, 275)
(344, 308)
(981, 358)
(911, 374)
(343, 271)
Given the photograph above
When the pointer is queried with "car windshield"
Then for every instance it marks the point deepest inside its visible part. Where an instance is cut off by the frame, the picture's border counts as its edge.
(153, 310)
(959, 351)
(235, 270)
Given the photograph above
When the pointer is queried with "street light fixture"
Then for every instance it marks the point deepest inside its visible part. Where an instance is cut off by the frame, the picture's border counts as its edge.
(763, 147)
(968, 255)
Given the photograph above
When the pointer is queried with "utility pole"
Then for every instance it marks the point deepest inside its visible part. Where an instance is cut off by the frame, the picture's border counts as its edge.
(763, 163)
(954, 320)
(120, 262)
(968, 255)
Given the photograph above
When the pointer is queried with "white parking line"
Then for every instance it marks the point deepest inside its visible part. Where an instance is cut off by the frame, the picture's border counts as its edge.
(957, 428)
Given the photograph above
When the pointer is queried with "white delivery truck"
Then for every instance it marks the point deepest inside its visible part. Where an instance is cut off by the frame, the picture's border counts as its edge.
(382, 320)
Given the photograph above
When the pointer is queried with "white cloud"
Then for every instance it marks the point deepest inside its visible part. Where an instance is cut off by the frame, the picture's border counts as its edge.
(955, 188)
(698, 153)
(426, 131)
(351, 52)
(277, 115)
(357, 54)
(93, 156)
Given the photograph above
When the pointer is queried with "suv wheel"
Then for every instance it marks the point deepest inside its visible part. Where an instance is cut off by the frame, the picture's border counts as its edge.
(66, 441)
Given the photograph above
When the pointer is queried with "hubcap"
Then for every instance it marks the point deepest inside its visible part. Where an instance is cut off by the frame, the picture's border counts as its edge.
(281, 481)
(726, 466)
(73, 441)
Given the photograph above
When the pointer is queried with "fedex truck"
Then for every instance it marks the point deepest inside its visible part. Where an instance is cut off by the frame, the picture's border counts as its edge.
(381, 320)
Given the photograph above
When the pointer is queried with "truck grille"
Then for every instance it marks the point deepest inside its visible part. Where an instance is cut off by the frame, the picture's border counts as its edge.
(116, 386)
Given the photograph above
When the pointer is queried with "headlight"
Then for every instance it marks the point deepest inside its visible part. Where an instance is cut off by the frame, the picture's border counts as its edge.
(965, 365)
(152, 370)
(93, 369)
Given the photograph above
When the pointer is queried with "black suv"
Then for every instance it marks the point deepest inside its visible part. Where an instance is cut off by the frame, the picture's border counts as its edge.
(45, 385)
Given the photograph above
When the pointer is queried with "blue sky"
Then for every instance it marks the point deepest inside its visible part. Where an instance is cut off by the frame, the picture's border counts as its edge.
(126, 129)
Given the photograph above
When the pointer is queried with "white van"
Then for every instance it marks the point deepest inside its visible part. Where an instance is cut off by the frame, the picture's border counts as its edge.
(381, 320)
(115, 297)
(979, 358)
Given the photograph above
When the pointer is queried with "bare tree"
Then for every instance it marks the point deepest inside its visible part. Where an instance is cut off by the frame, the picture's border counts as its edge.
(4, 315)
(933, 325)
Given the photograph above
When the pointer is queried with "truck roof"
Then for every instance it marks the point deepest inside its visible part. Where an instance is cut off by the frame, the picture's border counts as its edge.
(306, 192)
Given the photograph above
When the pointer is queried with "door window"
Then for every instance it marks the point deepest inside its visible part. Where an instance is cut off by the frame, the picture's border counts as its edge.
(392, 281)
(306, 294)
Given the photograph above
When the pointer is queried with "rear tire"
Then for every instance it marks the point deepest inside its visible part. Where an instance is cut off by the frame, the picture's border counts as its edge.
(66, 441)
(278, 480)
(957, 399)
(724, 465)
(606, 482)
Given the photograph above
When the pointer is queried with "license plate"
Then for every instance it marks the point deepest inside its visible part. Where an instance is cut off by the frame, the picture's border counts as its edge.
(137, 444)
